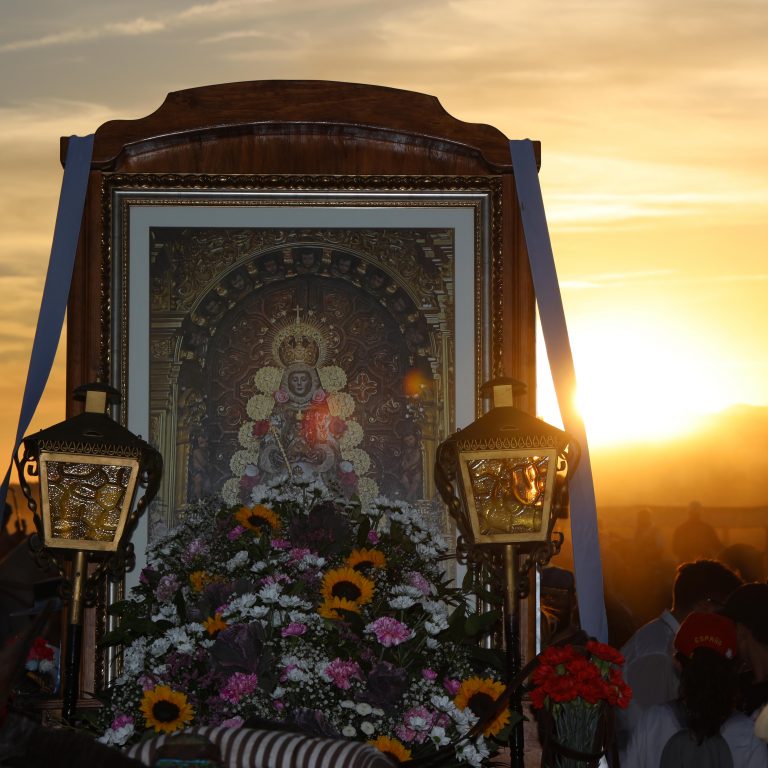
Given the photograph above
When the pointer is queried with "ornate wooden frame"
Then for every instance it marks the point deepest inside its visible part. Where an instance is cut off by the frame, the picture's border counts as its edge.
(300, 136)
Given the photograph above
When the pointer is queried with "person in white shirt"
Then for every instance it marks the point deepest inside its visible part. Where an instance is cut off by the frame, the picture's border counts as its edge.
(702, 728)
(649, 667)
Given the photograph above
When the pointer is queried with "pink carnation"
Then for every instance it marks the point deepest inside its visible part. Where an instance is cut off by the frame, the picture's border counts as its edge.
(341, 673)
(297, 554)
(239, 686)
(417, 723)
(294, 629)
(452, 686)
(389, 631)
(121, 721)
(233, 722)
(236, 532)
(417, 580)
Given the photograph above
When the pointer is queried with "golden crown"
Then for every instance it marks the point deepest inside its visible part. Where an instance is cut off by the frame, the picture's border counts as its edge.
(301, 341)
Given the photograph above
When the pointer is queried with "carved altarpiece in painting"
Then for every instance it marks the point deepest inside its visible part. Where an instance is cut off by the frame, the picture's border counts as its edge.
(377, 305)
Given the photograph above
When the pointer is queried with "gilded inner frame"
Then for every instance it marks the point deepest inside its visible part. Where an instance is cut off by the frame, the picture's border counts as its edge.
(340, 325)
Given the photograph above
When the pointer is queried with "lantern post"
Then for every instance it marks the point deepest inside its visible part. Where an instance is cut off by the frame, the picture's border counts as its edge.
(504, 479)
(89, 469)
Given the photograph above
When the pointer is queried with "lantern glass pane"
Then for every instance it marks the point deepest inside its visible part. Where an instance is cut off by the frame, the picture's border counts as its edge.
(509, 493)
(86, 500)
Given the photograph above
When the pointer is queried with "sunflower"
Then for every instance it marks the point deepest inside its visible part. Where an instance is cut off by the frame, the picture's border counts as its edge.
(392, 748)
(328, 609)
(347, 584)
(364, 559)
(255, 517)
(166, 710)
(214, 624)
(480, 695)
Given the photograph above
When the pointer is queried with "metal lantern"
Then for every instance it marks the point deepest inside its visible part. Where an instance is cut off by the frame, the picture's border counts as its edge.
(89, 469)
(503, 477)
(504, 480)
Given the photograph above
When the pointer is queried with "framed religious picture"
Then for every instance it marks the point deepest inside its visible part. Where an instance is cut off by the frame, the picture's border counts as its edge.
(261, 329)
(297, 276)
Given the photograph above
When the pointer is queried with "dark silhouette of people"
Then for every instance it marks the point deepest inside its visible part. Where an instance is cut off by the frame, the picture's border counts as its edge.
(745, 560)
(694, 539)
(649, 669)
(701, 727)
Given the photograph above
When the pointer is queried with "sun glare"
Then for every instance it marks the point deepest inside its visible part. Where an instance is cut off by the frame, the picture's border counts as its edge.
(637, 382)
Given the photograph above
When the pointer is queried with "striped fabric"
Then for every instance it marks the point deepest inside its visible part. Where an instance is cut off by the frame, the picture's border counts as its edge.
(250, 748)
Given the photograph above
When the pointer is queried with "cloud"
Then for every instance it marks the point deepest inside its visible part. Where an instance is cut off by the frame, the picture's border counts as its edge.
(131, 28)
(44, 120)
(219, 9)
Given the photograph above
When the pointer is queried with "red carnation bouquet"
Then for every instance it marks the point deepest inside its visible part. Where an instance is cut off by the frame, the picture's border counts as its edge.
(575, 689)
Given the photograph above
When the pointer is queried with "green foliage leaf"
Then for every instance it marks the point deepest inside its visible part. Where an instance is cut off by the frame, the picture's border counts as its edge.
(480, 624)
(488, 656)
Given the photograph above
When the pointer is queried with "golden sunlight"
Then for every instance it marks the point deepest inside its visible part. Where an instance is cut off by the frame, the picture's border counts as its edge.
(638, 381)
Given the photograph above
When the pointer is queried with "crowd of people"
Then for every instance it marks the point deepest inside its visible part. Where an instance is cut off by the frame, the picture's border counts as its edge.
(690, 616)
(699, 675)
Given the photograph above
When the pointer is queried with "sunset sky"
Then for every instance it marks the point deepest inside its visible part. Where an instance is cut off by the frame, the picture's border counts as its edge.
(652, 115)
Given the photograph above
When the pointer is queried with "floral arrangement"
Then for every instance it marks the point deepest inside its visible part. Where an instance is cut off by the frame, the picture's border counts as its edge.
(575, 684)
(312, 610)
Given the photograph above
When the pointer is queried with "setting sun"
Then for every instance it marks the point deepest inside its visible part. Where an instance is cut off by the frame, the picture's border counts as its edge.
(623, 397)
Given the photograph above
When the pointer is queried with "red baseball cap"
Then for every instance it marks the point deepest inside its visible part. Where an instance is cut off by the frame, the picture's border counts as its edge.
(707, 630)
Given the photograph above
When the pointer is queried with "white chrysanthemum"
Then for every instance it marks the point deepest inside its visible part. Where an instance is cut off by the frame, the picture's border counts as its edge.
(367, 728)
(406, 589)
(340, 404)
(260, 407)
(332, 378)
(359, 458)
(245, 606)
(242, 459)
(294, 602)
(230, 491)
(166, 612)
(297, 670)
(473, 753)
(267, 379)
(117, 737)
(246, 438)
(402, 602)
(160, 646)
(353, 435)
(181, 640)
(134, 657)
(427, 551)
(238, 561)
(310, 560)
(437, 736)
(270, 593)
(348, 731)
